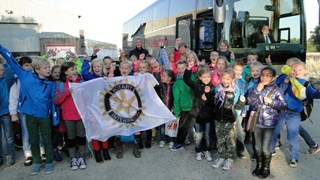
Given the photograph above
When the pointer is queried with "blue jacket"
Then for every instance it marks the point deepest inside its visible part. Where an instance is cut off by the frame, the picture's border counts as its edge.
(37, 93)
(294, 104)
(269, 113)
(86, 74)
(5, 84)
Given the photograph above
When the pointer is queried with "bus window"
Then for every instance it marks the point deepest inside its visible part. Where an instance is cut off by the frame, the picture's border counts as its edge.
(183, 29)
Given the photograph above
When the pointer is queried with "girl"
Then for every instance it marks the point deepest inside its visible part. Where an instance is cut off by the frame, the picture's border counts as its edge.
(37, 106)
(227, 100)
(166, 96)
(97, 70)
(75, 128)
(202, 108)
(214, 55)
(224, 50)
(269, 101)
(60, 61)
(109, 64)
(193, 61)
(222, 64)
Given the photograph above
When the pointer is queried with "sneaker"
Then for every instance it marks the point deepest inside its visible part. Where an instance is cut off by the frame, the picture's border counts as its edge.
(228, 165)
(82, 163)
(28, 161)
(74, 164)
(171, 145)
(207, 155)
(10, 160)
(314, 150)
(43, 158)
(278, 145)
(48, 168)
(57, 156)
(36, 169)
(176, 147)
(199, 156)
(218, 163)
(161, 144)
(273, 153)
(293, 163)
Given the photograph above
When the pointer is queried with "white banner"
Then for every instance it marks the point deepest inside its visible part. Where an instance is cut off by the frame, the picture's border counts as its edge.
(119, 106)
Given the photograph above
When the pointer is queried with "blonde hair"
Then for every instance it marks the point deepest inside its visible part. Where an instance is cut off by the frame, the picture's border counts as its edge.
(126, 62)
(194, 55)
(228, 71)
(257, 64)
(40, 62)
(293, 60)
(96, 60)
(60, 58)
(299, 63)
(225, 42)
(147, 63)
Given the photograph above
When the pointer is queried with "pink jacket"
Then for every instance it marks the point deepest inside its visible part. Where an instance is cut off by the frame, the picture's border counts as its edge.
(65, 100)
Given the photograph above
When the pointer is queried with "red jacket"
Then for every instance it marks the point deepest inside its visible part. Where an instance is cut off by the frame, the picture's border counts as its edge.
(65, 100)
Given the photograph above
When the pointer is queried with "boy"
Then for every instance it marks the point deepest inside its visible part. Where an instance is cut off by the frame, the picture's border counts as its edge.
(291, 116)
(251, 58)
(6, 80)
(182, 100)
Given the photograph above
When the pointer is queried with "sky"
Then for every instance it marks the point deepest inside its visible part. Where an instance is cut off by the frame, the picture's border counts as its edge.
(104, 21)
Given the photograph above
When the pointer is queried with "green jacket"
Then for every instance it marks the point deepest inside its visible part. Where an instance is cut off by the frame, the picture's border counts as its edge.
(182, 96)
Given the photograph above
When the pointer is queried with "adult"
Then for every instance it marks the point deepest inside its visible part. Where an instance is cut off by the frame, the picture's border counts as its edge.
(263, 36)
(163, 57)
(138, 50)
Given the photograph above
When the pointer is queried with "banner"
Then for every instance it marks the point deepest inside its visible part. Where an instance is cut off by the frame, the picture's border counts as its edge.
(119, 106)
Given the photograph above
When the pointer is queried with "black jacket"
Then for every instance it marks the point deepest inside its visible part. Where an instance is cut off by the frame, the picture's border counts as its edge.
(137, 52)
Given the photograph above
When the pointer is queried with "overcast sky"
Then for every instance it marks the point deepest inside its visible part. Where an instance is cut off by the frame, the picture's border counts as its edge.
(103, 19)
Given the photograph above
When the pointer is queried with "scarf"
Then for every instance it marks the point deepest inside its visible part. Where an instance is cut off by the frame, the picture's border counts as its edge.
(221, 94)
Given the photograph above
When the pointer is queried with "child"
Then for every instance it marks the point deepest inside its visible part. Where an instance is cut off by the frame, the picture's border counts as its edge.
(214, 55)
(136, 64)
(242, 86)
(37, 106)
(227, 100)
(125, 70)
(75, 128)
(182, 103)
(269, 101)
(224, 50)
(291, 116)
(251, 58)
(110, 65)
(193, 61)
(6, 80)
(97, 70)
(16, 99)
(222, 64)
(60, 61)
(166, 96)
(202, 108)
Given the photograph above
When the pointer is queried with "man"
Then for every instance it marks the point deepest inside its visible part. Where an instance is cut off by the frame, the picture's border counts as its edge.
(262, 37)
(138, 50)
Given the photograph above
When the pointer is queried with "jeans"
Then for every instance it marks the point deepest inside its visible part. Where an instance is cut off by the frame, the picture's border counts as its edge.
(25, 135)
(262, 138)
(293, 122)
(306, 137)
(202, 131)
(5, 122)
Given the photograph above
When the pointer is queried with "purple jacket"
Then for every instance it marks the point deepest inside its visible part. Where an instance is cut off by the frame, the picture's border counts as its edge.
(269, 113)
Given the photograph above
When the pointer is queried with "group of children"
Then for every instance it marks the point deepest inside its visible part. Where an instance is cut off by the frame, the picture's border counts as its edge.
(217, 101)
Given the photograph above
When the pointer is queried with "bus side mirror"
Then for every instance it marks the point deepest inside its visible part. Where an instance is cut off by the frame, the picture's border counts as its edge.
(219, 11)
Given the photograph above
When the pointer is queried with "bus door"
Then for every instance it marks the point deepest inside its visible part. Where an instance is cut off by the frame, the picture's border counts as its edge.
(184, 28)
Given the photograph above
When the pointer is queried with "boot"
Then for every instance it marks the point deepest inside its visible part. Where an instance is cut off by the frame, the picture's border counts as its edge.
(136, 150)
(119, 149)
(105, 154)
(265, 169)
(257, 171)
(97, 156)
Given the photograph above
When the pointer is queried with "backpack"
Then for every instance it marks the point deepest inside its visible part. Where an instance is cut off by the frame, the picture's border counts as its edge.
(307, 106)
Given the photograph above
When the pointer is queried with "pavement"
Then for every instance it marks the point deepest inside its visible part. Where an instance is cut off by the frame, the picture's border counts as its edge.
(161, 163)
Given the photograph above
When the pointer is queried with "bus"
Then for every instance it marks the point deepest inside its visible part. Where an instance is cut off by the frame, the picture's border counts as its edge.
(201, 24)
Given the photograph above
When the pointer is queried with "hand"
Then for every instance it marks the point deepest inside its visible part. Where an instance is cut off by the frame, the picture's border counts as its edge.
(203, 97)
(267, 100)
(242, 98)
(207, 89)
(2, 60)
(232, 55)
(178, 41)
(113, 66)
(287, 80)
(268, 60)
(260, 86)
(14, 117)
(95, 51)
(190, 65)
(105, 77)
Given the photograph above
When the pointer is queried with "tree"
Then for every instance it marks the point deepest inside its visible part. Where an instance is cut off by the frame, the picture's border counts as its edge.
(315, 37)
